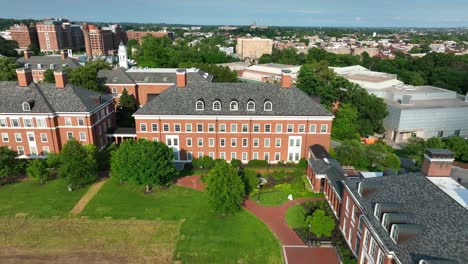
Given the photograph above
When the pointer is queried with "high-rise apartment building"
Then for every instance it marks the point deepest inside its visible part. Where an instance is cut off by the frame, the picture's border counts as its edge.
(53, 35)
(138, 35)
(24, 35)
(98, 41)
(253, 48)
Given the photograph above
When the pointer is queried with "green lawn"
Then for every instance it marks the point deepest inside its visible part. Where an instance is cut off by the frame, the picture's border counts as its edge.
(295, 216)
(28, 197)
(204, 236)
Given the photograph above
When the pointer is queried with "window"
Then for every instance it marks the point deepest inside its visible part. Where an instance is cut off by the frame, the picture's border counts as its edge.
(313, 128)
(347, 205)
(278, 142)
(99, 130)
(82, 136)
(188, 127)
(5, 137)
(277, 156)
(372, 249)
(69, 135)
(114, 90)
(268, 106)
(211, 127)
(15, 123)
(279, 128)
(222, 128)
(200, 142)
(245, 142)
(233, 142)
(256, 128)
(200, 154)
(143, 127)
(244, 156)
(233, 155)
(267, 128)
(380, 257)
(222, 155)
(366, 238)
(233, 128)
(255, 155)
(26, 107)
(166, 127)
(440, 133)
(28, 122)
(177, 127)
(3, 122)
(199, 127)
(211, 142)
(266, 142)
(296, 156)
(394, 233)
(20, 150)
(385, 221)
(31, 137)
(233, 106)
(68, 121)
(245, 128)
(154, 127)
(18, 137)
(251, 106)
(377, 211)
(43, 137)
(222, 142)
(189, 142)
(323, 128)
(217, 106)
(189, 155)
(255, 142)
(200, 105)
(290, 128)
(155, 139)
(33, 151)
(291, 142)
(266, 156)
(41, 122)
(301, 128)
(211, 155)
(80, 121)
(457, 132)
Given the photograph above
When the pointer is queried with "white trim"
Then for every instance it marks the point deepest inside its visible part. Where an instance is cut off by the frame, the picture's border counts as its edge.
(214, 117)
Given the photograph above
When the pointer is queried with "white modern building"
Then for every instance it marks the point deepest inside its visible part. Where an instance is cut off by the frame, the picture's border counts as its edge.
(270, 72)
(414, 111)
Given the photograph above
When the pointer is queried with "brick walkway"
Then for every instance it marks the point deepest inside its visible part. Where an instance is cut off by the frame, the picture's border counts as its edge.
(294, 249)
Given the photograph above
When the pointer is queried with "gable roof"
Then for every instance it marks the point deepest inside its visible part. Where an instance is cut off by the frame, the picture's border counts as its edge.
(182, 101)
(444, 222)
(46, 61)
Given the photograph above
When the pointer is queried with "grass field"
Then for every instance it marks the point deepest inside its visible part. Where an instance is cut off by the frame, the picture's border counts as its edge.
(29, 198)
(204, 237)
(28, 240)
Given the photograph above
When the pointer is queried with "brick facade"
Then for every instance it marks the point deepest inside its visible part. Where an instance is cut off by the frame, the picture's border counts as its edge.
(24, 35)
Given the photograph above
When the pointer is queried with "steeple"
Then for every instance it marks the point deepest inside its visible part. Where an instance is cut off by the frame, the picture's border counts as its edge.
(123, 56)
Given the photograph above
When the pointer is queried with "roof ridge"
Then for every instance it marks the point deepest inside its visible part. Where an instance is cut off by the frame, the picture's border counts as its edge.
(41, 93)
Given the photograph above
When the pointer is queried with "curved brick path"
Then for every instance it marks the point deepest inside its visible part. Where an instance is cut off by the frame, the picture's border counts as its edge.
(294, 249)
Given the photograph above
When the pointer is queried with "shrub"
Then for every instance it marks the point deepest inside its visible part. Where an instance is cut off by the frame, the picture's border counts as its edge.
(302, 163)
(197, 163)
(236, 163)
(258, 163)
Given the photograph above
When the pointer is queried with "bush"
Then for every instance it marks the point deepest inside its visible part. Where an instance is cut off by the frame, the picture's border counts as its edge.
(236, 163)
(258, 163)
(197, 163)
(302, 163)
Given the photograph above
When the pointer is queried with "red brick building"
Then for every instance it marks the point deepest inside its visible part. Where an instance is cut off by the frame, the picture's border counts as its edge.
(36, 119)
(138, 35)
(24, 35)
(98, 42)
(54, 35)
(394, 219)
(245, 121)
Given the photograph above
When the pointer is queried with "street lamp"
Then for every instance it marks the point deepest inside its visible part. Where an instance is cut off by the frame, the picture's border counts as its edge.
(308, 235)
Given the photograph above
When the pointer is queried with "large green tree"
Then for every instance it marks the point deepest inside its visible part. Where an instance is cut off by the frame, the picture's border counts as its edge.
(127, 101)
(87, 76)
(8, 162)
(8, 68)
(321, 224)
(352, 153)
(37, 169)
(8, 47)
(344, 124)
(77, 165)
(225, 189)
(49, 76)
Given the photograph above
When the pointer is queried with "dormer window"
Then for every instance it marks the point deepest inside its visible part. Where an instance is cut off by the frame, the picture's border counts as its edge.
(385, 221)
(377, 211)
(251, 106)
(39, 66)
(394, 233)
(268, 106)
(217, 106)
(234, 106)
(200, 105)
(359, 189)
(26, 107)
(51, 66)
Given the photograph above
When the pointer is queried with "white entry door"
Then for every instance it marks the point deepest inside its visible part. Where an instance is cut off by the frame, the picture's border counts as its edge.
(173, 143)
(294, 148)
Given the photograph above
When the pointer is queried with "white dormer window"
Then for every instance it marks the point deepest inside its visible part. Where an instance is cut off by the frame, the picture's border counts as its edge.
(359, 190)
(200, 105)
(385, 221)
(268, 106)
(394, 233)
(377, 211)
(51, 66)
(251, 106)
(26, 107)
(234, 106)
(217, 106)
(39, 66)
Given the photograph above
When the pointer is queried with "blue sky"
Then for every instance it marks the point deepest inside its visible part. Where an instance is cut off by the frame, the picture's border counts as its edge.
(356, 13)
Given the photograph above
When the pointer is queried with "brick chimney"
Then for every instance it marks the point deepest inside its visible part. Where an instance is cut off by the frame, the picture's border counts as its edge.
(286, 79)
(437, 163)
(181, 78)
(27, 54)
(24, 76)
(63, 54)
(61, 78)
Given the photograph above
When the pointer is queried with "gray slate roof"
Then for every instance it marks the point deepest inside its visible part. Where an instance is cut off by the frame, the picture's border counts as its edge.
(122, 76)
(47, 98)
(182, 101)
(46, 61)
(444, 221)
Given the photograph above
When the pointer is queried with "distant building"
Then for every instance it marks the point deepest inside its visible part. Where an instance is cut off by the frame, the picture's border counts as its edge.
(253, 48)
(413, 111)
(98, 41)
(54, 35)
(24, 35)
(122, 53)
(269, 73)
(138, 35)
(228, 50)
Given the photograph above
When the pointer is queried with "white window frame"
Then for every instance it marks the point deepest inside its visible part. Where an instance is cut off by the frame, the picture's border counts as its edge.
(246, 140)
(200, 142)
(277, 156)
(81, 120)
(41, 122)
(19, 150)
(82, 136)
(68, 121)
(3, 122)
(188, 127)
(233, 142)
(270, 104)
(44, 136)
(18, 137)
(5, 137)
(188, 142)
(280, 126)
(266, 142)
(394, 232)
(256, 142)
(245, 156)
(12, 122)
(233, 128)
(211, 142)
(153, 126)
(143, 125)
(70, 135)
(377, 211)
(290, 126)
(256, 128)
(314, 130)
(221, 128)
(247, 126)
(322, 126)
(175, 127)
(199, 107)
(301, 127)
(217, 105)
(26, 107)
(265, 128)
(233, 106)
(278, 140)
(222, 142)
(251, 106)
(233, 155)
(198, 127)
(166, 127)
(255, 156)
(211, 128)
(28, 122)
(222, 155)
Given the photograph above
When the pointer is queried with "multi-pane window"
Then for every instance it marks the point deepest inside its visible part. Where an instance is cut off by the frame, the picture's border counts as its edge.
(266, 156)
(211, 155)
(278, 142)
(200, 154)
(233, 128)
(233, 142)
(372, 248)
(255, 142)
(222, 155)
(20, 150)
(18, 137)
(3, 122)
(267, 128)
(277, 156)
(80, 121)
(290, 128)
(166, 127)
(15, 123)
(82, 136)
(189, 155)
(255, 155)
(323, 128)
(245, 142)
(200, 142)
(177, 127)
(154, 127)
(245, 128)
(199, 127)
(211, 127)
(28, 122)
(143, 127)
(233, 155)
(189, 142)
(188, 127)
(222, 142)
(457, 132)
(68, 121)
(31, 137)
(211, 142)
(5, 137)
(45, 150)
(217, 106)
(301, 128)
(222, 128)
(279, 128)
(41, 122)
(256, 128)
(312, 128)
(244, 156)
(43, 137)
(69, 135)
(267, 142)
(155, 139)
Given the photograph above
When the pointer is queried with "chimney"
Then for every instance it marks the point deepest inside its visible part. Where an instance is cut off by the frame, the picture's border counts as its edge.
(63, 54)
(61, 78)
(24, 76)
(181, 78)
(437, 163)
(27, 54)
(286, 79)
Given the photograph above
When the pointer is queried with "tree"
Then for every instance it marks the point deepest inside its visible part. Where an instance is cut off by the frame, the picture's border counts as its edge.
(236, 163)
(8, 47)
(321, 224)
(127, 101)
(49, 76)
(458, 145)
(144, 162)
(344, 124)
(8, 162)
(8, 68)
(37, 169)
(225, 189)
(376, 153)
(34, 49)
(87, 76)
(351, 152)
(435, 143)
(391, 161)
(77, 165)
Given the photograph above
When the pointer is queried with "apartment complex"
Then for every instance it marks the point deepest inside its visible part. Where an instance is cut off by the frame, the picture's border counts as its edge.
(98, 42)
(36, 119)
(414, 111)
(253, 48)
(245, 121)
(145, 84)
(399, 218)
(138, 35)
(24, 35)
(56, 34)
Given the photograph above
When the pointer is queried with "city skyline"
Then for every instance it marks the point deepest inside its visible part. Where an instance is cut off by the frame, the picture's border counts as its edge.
(333, 13)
